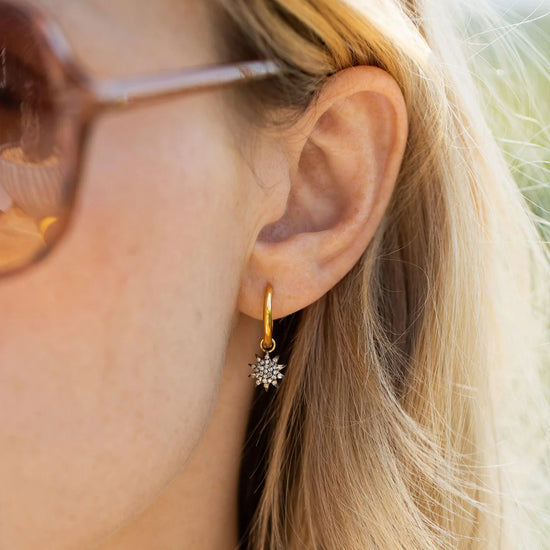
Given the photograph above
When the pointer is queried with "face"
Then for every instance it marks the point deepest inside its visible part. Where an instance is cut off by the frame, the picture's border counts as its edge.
(113, 346)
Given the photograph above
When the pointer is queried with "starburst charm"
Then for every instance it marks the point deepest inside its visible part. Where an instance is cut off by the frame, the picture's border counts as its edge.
(266, 370)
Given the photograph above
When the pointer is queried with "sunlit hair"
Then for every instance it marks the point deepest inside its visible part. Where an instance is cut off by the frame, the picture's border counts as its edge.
(412, 399)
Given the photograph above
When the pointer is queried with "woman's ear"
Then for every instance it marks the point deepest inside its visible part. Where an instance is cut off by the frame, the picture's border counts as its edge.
(342, 159)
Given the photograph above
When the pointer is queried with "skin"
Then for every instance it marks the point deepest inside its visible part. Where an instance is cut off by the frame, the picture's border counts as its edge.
(123, 378)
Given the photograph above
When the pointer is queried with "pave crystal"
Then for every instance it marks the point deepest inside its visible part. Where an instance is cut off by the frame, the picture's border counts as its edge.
(266, 370)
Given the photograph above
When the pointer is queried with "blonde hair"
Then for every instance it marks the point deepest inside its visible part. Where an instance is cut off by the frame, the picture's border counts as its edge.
(402, 399)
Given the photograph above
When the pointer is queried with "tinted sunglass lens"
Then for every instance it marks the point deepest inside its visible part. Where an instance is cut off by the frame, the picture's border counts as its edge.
(35, 148)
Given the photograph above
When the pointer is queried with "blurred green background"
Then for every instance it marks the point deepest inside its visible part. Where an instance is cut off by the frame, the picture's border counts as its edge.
(515, 83)
(520, 102)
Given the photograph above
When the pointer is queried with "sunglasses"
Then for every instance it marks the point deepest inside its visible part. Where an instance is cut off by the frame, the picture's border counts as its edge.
(47, 106)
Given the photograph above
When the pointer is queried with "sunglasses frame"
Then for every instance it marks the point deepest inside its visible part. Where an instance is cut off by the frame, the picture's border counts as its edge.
(86, 97)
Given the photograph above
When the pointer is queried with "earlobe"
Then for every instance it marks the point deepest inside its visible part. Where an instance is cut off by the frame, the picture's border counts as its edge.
(343, 157)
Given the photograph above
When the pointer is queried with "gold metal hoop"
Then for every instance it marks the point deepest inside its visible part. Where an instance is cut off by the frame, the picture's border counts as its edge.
(266, 370)
(268, 320)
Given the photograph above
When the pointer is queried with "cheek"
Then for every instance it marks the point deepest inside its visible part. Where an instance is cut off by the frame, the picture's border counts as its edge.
(113, 346)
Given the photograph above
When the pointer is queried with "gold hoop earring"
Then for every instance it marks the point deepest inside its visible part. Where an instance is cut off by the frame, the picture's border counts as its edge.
(266, 370)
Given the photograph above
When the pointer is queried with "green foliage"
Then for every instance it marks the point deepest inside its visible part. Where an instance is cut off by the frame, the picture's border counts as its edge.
(515, 80)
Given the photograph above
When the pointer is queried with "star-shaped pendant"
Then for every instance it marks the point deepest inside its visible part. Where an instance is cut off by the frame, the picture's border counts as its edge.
(266, 370)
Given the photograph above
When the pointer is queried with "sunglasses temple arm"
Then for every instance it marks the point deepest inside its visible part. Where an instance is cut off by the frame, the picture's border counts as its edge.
(117, 93)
